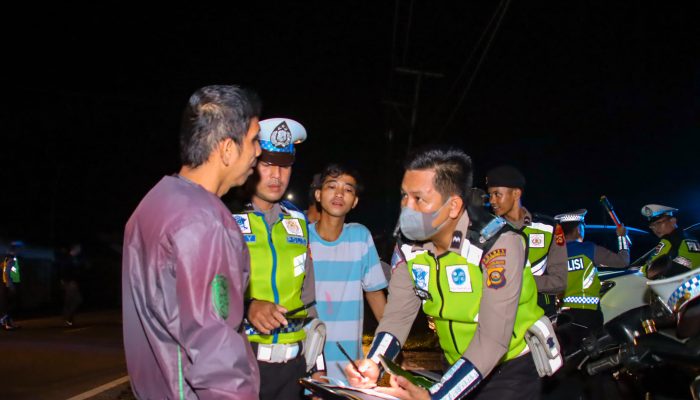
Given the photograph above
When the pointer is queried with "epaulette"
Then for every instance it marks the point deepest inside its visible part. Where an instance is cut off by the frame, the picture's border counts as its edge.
(293, 210)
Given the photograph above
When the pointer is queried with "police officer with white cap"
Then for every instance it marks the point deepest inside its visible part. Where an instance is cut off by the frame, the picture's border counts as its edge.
(281, 292)
(682, 250)
(546, 244)
(582, 296)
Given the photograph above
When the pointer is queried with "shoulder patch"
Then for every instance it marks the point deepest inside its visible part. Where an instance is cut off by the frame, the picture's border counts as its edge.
(220, 295)
(494, 263)
(243, 222)
(397, 257)
(559, 236)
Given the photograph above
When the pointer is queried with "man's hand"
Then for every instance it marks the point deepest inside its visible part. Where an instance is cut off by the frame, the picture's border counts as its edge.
(404, 390)
(368, 368)
(266, 316)
(621, 230)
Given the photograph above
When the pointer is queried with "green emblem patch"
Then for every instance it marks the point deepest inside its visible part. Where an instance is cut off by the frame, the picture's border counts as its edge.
(219, 295)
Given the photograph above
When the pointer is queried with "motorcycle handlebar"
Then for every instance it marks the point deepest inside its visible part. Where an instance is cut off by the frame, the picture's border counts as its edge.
(603, 364)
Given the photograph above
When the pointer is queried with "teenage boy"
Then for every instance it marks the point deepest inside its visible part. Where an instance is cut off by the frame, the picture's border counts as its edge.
(346, 263)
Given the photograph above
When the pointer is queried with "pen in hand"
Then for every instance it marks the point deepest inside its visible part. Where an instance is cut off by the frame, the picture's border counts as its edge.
(296, 310)
(342, 350)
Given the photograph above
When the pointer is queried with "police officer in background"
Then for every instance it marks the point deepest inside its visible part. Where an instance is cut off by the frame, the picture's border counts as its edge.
(682, 250)
(480, 294)
(282, 279)
(582, 296)
(546, 243)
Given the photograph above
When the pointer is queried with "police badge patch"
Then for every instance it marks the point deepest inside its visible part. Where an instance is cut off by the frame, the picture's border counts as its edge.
(458, 278)
(292, 227)
(281, 136)
(536, 240)
(243, 223)
(219, 295)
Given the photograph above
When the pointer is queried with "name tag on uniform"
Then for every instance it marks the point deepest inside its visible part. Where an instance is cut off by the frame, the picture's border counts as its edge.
(458, 278)
(693, 246)
(243, 223)
(293, 227)
(537, 240)
(296, 240)
(249, 238)
(421, 275)
(299, 264)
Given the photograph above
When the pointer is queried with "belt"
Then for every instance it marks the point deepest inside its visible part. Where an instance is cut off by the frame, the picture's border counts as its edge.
(277, 352)
(293, 325)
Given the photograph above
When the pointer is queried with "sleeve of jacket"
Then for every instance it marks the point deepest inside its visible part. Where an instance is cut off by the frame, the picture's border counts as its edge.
(605, 257)
(499, 305)
(211, 272)
(554, 280)
(402, 305)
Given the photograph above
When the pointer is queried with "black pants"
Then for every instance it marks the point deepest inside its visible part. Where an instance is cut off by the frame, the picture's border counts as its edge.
(280, 380)
(548, 303)
(514, 379)
(71, 299)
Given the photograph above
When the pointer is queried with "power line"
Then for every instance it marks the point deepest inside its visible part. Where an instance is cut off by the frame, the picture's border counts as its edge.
(476, 69)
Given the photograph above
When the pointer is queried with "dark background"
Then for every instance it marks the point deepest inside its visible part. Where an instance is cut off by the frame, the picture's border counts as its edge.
(586, 98)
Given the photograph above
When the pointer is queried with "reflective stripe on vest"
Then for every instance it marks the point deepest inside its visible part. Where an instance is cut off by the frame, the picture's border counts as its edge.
(540, 237)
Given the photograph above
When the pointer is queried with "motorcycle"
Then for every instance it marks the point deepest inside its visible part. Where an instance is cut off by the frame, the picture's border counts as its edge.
(650, 344)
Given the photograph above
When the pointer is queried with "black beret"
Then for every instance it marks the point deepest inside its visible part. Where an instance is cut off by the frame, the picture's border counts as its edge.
(505, 176)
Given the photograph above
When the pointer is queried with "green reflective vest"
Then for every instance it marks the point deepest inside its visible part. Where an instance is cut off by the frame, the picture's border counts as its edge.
(451, 288)
(540, 236)
(687, 253)
(583, 284)
(277, 267)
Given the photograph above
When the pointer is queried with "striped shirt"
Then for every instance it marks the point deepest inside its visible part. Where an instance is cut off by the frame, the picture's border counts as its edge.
(343, 269)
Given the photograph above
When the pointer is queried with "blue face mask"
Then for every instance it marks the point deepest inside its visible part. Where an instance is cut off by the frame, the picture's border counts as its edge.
(418, 226)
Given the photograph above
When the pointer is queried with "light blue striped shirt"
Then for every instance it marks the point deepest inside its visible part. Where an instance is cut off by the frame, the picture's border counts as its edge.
(343, 270)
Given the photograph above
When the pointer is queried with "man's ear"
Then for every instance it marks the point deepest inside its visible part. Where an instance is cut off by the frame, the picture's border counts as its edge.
(456, 204)
(228, 151)
(517, 193)
(317, 195)
(354, 203)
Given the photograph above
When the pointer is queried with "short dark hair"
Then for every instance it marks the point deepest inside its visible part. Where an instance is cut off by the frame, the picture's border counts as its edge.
(315, 184)
(453, 168)
(335, 170)
(215, 113)
(570, 227)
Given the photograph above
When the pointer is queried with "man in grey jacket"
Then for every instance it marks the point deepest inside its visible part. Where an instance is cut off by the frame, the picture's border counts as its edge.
(186, 266)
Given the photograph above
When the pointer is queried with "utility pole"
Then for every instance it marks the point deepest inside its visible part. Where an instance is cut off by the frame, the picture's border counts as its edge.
(419, 74)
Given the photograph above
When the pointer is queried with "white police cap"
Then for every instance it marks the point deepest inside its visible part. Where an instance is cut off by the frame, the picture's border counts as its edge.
(277, 139)
(656, 211)
(573, 216)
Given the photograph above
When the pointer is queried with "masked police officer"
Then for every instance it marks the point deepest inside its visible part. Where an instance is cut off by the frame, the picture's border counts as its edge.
(546, 243)
(682, 250)
(282, 280)
(477, 289)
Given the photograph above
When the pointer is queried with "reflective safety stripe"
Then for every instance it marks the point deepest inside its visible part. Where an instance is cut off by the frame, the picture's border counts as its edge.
(539, 268)
(293, 325)
(581, 300)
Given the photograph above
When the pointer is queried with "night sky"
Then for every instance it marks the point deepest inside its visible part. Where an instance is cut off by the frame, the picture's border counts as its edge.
(586, 98)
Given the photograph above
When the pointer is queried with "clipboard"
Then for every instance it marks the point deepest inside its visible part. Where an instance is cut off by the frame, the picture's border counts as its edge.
(327, 391)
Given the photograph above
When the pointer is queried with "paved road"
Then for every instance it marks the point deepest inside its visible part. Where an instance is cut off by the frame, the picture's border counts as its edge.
(45, 360)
